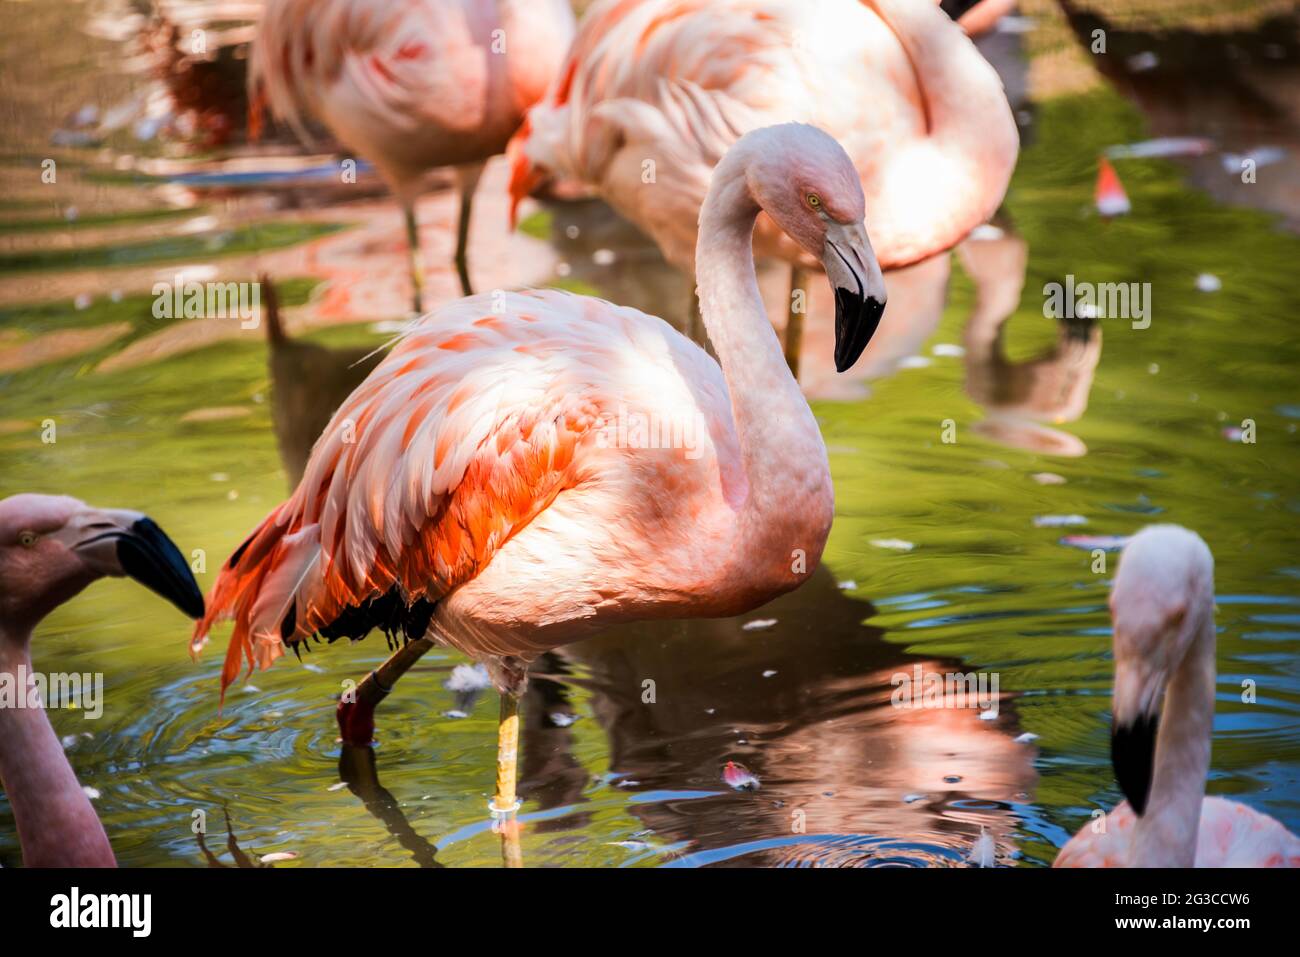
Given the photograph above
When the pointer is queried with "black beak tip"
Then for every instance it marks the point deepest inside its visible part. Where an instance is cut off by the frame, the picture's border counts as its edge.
(1132, 753)
(856, 321)
(151, 558)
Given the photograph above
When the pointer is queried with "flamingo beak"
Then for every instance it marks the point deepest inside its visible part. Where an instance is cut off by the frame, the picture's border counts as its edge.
(1133, 754)
(859, 287)
(1139, 686)
(522, 183)
(117, 543)
(525, 177)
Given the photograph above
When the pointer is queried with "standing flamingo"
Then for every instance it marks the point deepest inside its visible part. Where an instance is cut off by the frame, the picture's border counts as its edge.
(655, 91)
(525, 469)
(1162, 607)
(412, 85)
(51, 547)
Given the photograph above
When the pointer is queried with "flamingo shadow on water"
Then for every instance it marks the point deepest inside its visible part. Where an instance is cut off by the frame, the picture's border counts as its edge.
(308, 383)
(549, 772)
(359, 771)
(238, 855)
(805, 706)
(1021, 398)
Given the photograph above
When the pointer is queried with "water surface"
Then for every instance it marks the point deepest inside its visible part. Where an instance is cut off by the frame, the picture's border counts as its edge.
(950, 556)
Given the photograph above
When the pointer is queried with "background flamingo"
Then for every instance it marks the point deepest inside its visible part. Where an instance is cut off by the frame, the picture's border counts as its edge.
(654, 92)
(1162, 606)
(977, 17)
(481, 488)
(410, 86)
(51, 547)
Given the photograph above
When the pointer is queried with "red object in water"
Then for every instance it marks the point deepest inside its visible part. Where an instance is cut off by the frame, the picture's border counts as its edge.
(1111, 198)
(739, 777)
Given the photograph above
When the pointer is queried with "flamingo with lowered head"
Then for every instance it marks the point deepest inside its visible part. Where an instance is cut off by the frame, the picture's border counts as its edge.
(51, 547)
(411, 86)
(1162, 606)
(655, 91)
(524, 470)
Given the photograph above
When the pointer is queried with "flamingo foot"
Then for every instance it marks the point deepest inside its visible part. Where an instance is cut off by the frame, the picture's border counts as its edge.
(356, 710)
(356, 722)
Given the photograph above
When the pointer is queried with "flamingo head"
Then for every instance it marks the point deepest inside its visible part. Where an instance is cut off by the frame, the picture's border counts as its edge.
(1161, 601)
(802, 178)
(53, 546)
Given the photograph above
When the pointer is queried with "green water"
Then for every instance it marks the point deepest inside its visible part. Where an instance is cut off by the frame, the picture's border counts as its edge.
(981, 588)
(213, 243)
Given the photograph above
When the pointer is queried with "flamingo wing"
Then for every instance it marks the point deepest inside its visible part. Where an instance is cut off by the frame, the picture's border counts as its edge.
(1230, 835)
(404, 65)
(677, 82)
(678, 79)
(468, 429)
(1104, 843)
(654, 91)
(1234, 835)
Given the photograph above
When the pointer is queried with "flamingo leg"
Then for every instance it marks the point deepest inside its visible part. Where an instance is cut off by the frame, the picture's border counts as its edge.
(506, 802)
(794, 319)
(512, 853)
(468, 177)
(356, 712)
(416, 261)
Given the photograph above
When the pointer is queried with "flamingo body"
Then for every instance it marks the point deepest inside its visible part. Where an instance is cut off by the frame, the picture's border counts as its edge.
(495, 453)
(1229, 835)
(410, 85)
(654, 92)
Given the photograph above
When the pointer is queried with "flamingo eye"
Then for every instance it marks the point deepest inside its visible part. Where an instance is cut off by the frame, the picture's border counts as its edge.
(26, 539)
(814, 201)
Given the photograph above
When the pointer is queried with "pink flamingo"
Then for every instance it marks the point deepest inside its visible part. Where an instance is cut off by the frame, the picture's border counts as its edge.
(655, 91)
(1162, 607)
(977, 17)
(51, 547)
(412, 85)
(525, 469)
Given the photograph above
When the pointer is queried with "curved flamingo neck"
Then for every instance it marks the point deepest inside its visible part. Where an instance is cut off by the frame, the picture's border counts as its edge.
(936, 188)
(1166, 834)
(57, 826)
(782, 453)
